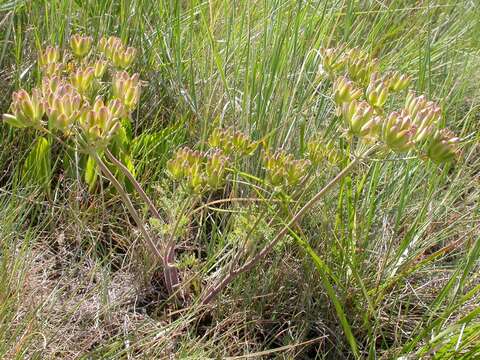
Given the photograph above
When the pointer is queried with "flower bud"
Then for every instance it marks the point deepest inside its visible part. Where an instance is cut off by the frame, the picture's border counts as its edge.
(332, 60)
(319, 150)
(283, 170)
(80, 45)
(51, 55)
(425, 121)
(344, 91)
(122, 58)
(442, 146)
(126, 89)
(398, 132)
(215, 169)
(397, 82)
(232, 142)
(414, 104)
(358, 116)
(82, 79)
(63, 107)
(377, 93)
(99, 68)
(49, 61)
(99, 124)
(109, 46)
(27, 110)
(360, 66)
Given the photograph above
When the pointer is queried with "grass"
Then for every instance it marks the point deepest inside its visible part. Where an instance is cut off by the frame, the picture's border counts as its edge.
(385, 266)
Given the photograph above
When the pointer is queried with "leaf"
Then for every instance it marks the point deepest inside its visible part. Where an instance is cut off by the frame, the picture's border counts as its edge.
(154, 148)
(127, 161)
(37, 168)
(91, 173)
(13, 121)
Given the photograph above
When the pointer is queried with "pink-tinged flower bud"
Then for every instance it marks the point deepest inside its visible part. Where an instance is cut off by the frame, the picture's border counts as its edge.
(397, 82)
(442, 146)
(98, 104)
(49, 61)
(398, 132)
(50, 85)
(51, 55)
(358, 116)
(122, 58)
(117, 108)
(99, 68)
(126, 89)
(82, 79)
(52, 69)
(426, 120)
(360, 66)
(102, 44)
(80, 45)
(99, 124)
(333, 60)
(64, 106)
(344, 91)
(109, 46)
(377, 93)
(414, 104)
(27, 110)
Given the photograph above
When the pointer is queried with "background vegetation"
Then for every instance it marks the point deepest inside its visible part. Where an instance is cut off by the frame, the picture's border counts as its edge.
(391, 254)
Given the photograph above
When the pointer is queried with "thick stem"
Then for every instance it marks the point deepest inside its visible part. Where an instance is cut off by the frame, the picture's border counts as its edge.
(212, 292)
(129, 205)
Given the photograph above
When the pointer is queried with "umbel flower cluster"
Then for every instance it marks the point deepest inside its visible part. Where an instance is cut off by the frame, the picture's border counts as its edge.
(361, 94)
(283, 170)
(201, 171)
(232, 142)
(198, 171)
(77, 95)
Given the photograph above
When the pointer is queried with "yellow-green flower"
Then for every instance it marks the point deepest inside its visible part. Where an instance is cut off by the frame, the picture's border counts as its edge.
(80, 45)
(28, 110)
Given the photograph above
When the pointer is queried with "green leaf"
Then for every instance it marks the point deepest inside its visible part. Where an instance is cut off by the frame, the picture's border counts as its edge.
(37, 168)
(13, 121)
(127, 161)
(91, 173)
(152, 150)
